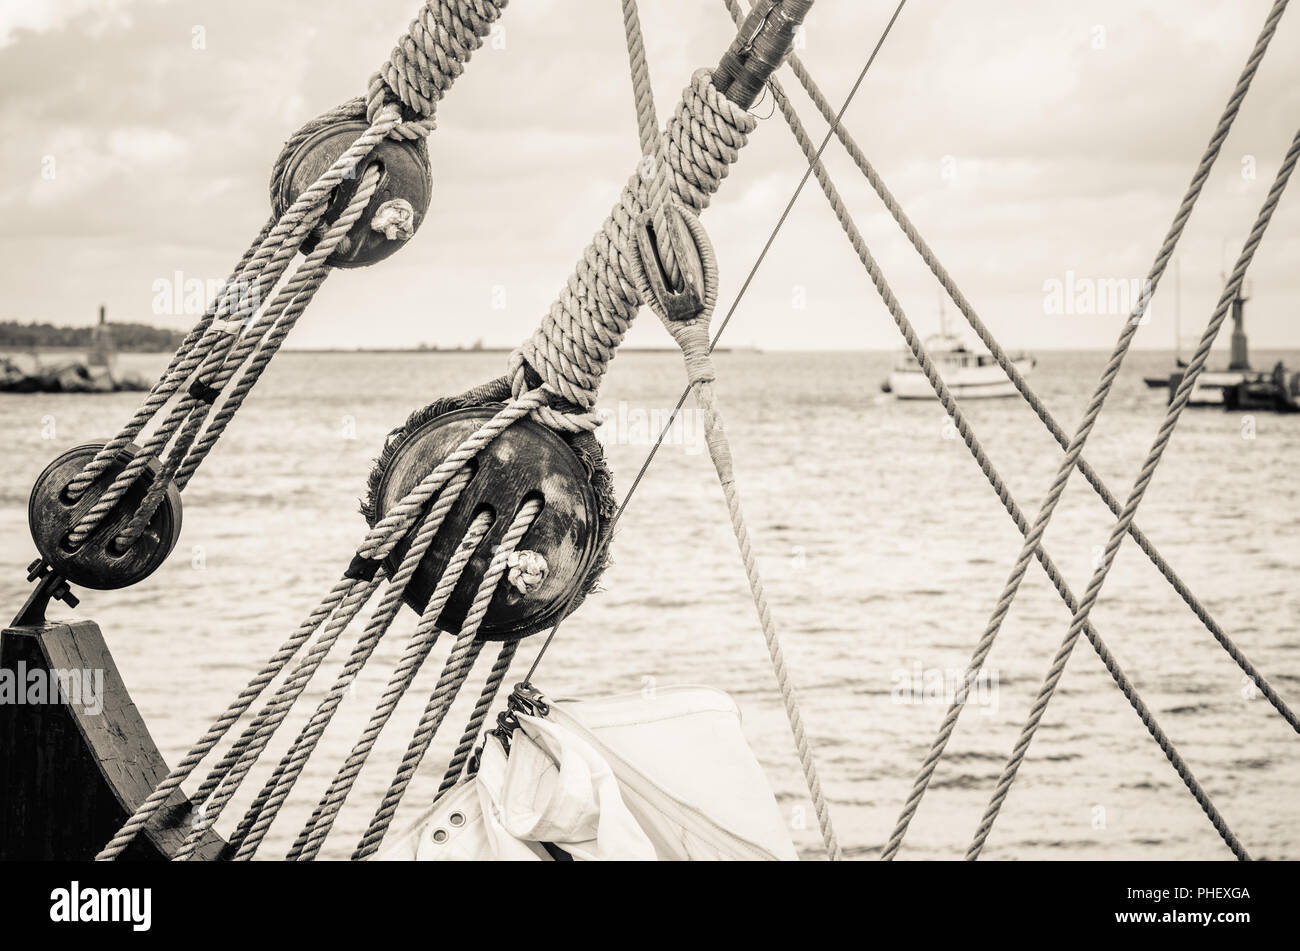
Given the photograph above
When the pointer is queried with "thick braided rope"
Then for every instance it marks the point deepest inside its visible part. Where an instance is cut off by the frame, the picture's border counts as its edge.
(647, 123)
(312, 837)
(1017, 378)
(459, 663)
(986, 467)
(477, 717)
(430, 56)
(1075, 447)
(577, 338)
(647, 127)
(229, 718)
(224, 779)
(1165, 433)
(257, 820)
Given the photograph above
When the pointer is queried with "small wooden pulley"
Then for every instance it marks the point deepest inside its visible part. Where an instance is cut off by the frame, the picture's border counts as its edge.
(527, 461)
(397, 207)
(98, 561)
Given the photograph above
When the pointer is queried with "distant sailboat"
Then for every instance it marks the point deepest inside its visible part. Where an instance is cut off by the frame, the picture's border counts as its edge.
(967, 373)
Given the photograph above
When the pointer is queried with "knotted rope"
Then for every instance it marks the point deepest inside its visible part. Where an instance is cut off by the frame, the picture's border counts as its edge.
(1143, 481)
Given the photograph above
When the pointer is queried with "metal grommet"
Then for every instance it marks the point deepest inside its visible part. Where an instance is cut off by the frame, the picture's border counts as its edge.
(439, 836)
(457, 819)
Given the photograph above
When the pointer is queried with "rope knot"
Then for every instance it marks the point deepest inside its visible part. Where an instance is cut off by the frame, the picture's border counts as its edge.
(527, 569)
(395, 220)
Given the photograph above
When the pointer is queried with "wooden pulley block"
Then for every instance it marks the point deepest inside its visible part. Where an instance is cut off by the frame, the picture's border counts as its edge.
(396, 209)
(98, 562)
(527, 461)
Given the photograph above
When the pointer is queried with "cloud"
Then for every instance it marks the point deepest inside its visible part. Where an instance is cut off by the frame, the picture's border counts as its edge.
(1025, 138)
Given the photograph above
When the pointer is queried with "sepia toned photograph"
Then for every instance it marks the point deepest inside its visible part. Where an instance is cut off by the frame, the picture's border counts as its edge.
(940, 505)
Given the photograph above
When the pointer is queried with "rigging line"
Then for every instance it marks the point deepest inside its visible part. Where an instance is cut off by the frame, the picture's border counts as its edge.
(1017, 378)
(990, 472)
(663, 435)
(1140, 485)
(1086, 424)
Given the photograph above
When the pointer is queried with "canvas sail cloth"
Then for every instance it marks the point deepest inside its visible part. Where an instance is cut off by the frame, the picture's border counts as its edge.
(665, 775)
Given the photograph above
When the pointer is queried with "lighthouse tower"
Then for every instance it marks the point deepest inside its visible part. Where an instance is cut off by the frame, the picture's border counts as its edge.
(102, 353)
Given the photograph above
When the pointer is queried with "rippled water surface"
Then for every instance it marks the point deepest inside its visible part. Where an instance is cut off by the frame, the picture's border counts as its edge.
(883, 549)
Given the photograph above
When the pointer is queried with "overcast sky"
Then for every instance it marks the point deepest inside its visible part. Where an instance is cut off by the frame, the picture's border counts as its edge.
(1031, 140)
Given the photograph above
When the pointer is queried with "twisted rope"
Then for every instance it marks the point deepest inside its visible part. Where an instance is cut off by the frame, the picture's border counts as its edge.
(429, 57)
(647, 123)
(338, 607)
(477, 717)
(1017, 378)
(577, 338)
(400, 103)
(170, 379)
(459, 663)
(1154, 455)
(266, 806)
(224, 780)
(280, 317)
(990, 472)
(164, 790)
(693, 338)
(1075, 447)
(647, 126)
(237, 302)
(313, 834)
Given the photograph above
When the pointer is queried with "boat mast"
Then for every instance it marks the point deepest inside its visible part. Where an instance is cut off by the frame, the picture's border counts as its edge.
(1178, 310)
